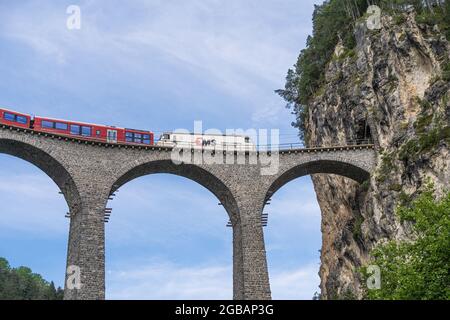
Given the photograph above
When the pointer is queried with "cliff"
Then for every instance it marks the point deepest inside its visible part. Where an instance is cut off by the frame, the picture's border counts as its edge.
(393, 87)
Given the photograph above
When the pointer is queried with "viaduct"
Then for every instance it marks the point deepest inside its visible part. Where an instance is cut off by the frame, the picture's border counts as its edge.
(88, 173)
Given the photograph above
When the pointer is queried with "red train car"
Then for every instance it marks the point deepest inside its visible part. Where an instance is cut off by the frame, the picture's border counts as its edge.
(94, 132)
(79, 130)
(13, 118)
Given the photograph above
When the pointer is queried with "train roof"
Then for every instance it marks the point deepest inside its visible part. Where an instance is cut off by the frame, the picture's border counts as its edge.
(208, 134)
(77, 122)
(90, 124)
(9, 110)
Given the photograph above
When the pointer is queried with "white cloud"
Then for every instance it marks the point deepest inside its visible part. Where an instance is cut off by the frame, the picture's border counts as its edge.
(164, 211)
(31, 203)
(296, 284)
(237, 47)
(35, 186)
(166, 280)
(297, 201)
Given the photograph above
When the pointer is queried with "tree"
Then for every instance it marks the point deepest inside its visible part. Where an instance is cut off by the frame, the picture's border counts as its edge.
(418, 269)
(22, 284)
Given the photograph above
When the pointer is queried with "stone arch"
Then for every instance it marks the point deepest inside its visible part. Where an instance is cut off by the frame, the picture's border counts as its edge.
(209, 181)
(341, 168)
(322, 166)
(190, 171)
(48, 164)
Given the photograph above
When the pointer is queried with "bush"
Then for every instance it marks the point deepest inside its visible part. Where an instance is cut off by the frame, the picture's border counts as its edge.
(424, 143)
(419, 269)
(357, 227)
(446, 72)
(423, 122)
(386, 168)
(395, 187)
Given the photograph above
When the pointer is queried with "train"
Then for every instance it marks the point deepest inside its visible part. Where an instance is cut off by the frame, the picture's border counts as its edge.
(79, 130)
(116, 135)
(207, 141)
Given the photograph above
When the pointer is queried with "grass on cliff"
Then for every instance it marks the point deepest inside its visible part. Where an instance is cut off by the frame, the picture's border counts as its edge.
(419, 269)
(424, 143)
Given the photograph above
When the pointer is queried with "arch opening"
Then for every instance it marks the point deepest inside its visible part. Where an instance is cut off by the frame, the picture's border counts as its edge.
(40, 160)
(295, 210)
(189, 171)
(46, 163)
(32, 221)
(320, 166)
(166, 239)
(293, 240)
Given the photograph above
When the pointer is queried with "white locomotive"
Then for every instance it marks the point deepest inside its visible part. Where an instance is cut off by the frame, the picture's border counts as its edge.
(207, 141)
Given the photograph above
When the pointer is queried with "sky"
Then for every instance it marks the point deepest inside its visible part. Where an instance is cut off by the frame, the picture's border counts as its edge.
(156, 65)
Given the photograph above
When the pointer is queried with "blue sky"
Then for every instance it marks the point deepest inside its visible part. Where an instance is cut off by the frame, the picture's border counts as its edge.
(157, 65)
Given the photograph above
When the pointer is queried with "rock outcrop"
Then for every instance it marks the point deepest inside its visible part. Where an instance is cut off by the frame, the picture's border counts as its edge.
(391, 88)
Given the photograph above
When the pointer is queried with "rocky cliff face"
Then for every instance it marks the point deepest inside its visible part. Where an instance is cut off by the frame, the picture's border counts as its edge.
(392, 87)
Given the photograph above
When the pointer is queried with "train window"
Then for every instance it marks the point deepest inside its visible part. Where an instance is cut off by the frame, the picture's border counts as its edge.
(74, 129)
(129, 136)
(9, 116)
(22, 119)
(138, 138)
(97, 133)
(47, 124)
(86, 131)
(60, 126)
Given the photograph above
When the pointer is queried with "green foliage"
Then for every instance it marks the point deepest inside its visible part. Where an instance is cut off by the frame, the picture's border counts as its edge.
(418, 269)
(331, 20)
(334, 20)
(22, 284)
(425, 142)
(439, 15)
(399, 19)
(356, 230)
(395, 187)
(446, 19)
(348, 54)
(365, 185)
(345, 295)
(386, 168)
(423, 122)
(424, 104)
(446, 70)
(317, 296)
(404, 198)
